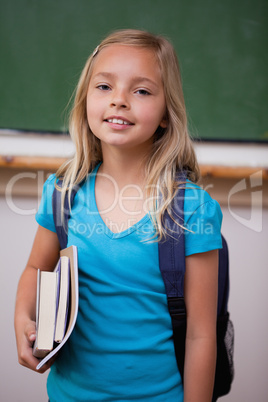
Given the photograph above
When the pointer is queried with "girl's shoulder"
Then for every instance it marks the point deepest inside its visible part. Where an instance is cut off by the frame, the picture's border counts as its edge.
(50, 181)
(197, 201)
(48, 187)
(196, 193)
(203, 219)
(44, 215)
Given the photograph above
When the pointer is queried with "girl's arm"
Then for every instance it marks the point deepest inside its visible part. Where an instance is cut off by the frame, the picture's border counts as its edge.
(44, 255)
(201, 288)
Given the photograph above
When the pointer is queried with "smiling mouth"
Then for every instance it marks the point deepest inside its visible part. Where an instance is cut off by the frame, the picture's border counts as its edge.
(119, 121)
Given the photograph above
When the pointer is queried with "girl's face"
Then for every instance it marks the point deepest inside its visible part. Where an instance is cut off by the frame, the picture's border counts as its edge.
(125, 99)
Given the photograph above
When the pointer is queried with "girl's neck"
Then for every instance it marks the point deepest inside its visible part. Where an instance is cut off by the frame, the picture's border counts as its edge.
(119, 190)
(124, 167)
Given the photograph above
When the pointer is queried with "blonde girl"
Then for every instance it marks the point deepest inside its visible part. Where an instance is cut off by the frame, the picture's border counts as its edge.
(129, 127)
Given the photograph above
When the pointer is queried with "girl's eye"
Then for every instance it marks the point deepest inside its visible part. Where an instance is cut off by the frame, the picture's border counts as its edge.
(103, 87)
(142, 92)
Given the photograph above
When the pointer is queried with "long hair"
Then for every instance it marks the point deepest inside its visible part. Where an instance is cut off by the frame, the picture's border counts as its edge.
(172, 148)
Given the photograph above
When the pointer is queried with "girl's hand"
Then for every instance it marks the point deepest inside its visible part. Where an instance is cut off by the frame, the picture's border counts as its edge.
(26, 335)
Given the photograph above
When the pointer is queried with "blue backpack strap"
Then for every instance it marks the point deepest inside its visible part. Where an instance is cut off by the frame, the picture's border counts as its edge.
(172, 267)
(62, 225)
(171, 251)
(223, 285)
(172, 257)
(171, 248)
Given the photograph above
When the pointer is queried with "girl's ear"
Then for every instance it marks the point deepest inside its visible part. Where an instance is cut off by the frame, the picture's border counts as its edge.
(164, 123)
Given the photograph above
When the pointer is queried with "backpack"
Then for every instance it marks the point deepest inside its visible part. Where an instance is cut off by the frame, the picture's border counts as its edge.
(172, 267)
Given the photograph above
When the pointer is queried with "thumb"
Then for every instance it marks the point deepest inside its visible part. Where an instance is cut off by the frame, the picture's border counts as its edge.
(32, 337)
(31, 332)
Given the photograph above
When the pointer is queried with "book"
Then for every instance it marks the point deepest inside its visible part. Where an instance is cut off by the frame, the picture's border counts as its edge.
(66, 320)
(46, 308)
(63, 298)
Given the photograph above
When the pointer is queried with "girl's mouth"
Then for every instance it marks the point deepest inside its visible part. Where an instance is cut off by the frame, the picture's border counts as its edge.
(119, 121)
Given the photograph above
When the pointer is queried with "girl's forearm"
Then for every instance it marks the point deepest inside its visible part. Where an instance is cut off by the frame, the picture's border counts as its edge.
(199, 369)
(26, 295)
(24, 320)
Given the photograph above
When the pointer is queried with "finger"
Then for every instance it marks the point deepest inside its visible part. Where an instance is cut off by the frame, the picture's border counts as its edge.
(48, 365)
(27, 359)
(30, 332)
(32, 337)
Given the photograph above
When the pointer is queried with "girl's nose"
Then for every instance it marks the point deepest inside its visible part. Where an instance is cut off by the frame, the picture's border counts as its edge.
(119, 99)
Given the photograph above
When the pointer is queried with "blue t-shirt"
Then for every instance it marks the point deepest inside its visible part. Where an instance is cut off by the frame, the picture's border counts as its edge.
(121, 348)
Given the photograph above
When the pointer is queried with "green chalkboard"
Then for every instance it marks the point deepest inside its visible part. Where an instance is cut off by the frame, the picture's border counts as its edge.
(221, 44)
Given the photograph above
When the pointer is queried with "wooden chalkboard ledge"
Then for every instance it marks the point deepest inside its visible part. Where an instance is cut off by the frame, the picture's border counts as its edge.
(52, 164)
(233, 172)
(31, 162)
(19, 150)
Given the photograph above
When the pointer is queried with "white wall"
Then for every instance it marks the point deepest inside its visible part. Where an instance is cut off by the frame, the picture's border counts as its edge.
(248, 304)
(17, 384)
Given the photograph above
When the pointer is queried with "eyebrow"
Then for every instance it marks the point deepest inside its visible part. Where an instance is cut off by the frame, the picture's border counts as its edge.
(138, 79)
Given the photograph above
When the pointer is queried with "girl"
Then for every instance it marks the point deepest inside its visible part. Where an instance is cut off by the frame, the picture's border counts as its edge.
(129, 127)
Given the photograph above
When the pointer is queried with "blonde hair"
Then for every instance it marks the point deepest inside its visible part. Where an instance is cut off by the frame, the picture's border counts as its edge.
(172, 149)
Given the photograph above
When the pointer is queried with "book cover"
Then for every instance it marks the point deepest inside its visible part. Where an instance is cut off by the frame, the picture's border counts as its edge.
(46, 307)
(63, 302)
(71, 253)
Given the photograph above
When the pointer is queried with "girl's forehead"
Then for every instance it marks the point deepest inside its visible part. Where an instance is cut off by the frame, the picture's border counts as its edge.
(123, 48)
(120, 57)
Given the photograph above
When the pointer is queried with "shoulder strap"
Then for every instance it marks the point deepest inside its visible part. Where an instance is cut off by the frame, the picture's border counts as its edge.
(223, 284)
(61, 225)
(172, 266)
(172, 257)
(171, 248)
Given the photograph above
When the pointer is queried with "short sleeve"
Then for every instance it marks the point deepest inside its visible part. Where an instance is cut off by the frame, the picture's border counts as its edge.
(203, 218)
(44, 216)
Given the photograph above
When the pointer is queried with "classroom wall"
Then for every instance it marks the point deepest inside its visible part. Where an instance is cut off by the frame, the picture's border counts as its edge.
(248, 300)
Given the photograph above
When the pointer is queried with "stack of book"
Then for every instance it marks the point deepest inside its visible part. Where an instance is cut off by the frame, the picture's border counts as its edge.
(56, 305)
